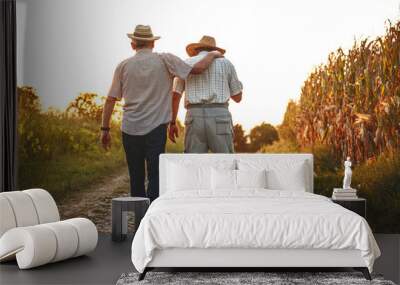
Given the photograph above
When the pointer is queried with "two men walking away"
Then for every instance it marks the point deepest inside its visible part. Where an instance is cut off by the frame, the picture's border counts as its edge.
(145, 81)
(208, 122)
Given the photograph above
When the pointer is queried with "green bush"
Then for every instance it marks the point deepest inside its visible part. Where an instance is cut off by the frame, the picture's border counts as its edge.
(378, 181)
(325, 159)
(59, 151)
(281, 146)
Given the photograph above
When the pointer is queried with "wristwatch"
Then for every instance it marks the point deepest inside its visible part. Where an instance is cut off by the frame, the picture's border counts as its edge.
(105, 129)
(172, 122)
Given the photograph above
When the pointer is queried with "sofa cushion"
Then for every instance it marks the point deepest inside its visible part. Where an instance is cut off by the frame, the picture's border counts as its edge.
(23, 208)
(7, 220)
(45, 205)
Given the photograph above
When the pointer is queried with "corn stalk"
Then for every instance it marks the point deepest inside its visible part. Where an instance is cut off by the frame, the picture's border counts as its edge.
(352, 102)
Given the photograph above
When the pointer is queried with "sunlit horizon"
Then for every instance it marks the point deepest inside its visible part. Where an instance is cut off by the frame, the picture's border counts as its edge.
(68, 47)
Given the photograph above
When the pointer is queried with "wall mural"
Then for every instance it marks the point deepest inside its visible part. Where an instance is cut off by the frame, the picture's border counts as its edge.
(348, 106)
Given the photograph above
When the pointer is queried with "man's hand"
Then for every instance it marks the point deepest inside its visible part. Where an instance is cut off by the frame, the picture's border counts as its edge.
(173, 132)
(105, 139)
(237, 98)
(216, 53)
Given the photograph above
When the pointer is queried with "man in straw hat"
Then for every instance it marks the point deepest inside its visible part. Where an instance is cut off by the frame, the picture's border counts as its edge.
(208, 122)
(145, 81)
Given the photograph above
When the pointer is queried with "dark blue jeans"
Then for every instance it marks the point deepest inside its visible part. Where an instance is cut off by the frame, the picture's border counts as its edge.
(144, 151)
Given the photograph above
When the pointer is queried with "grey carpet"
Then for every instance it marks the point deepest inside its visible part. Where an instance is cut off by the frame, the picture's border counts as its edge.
(243, 278)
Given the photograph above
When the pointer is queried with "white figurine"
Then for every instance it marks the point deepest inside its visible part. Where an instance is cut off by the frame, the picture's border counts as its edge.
(347, 174)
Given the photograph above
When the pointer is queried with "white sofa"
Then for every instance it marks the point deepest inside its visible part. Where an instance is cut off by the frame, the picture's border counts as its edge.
(31, 231)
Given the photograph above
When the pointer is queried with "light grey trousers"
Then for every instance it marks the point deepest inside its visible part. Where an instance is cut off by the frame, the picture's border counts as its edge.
(208, 128)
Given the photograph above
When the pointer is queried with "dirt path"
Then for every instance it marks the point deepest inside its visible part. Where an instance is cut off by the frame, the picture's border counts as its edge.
(95, 202)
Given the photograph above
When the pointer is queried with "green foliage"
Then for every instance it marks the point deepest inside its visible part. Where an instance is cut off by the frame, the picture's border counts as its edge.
(376, 180)
(69, 173)
(281, 146)
(325, 158)
(85, 106)
(287, 130)
(263, 134)
(60, 152)
(239, 139)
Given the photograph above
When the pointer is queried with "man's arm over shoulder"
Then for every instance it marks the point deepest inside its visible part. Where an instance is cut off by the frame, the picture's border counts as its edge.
(205, 62)
(176, 66)
(182, 69)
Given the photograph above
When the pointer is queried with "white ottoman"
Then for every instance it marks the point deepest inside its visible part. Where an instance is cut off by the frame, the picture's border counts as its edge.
(31, 232)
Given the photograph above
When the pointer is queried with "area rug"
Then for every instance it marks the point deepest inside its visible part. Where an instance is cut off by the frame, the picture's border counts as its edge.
(253, 278)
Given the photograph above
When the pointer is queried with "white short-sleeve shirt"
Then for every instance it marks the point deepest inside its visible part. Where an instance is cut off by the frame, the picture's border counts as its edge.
(145, 82)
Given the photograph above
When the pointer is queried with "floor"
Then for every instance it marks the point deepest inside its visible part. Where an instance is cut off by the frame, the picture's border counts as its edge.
(110, 260)
(389, 262)
(103, 266)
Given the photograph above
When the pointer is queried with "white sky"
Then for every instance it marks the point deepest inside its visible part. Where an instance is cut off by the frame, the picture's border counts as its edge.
(69, 46)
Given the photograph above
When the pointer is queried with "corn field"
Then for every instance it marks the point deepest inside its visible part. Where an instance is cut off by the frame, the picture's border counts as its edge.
(352, 103)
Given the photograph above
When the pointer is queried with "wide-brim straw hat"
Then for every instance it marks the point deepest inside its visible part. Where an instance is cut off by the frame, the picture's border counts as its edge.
(143, 33)
(205, 42)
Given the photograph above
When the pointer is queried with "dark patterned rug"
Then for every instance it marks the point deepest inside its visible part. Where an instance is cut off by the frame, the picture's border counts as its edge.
(243, 278)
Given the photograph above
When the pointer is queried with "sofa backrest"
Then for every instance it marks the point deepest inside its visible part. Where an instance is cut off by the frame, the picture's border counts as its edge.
(212, 159)
(26, 208)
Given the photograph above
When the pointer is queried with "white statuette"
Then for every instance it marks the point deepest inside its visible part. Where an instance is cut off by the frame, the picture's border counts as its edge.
(347, 174)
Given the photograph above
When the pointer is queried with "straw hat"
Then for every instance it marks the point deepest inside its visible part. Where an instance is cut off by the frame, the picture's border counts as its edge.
(205, 42)
(143, 33)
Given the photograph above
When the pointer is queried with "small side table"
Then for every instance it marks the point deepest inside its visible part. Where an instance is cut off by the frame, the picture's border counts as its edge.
(120, 207)
(358, 206)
